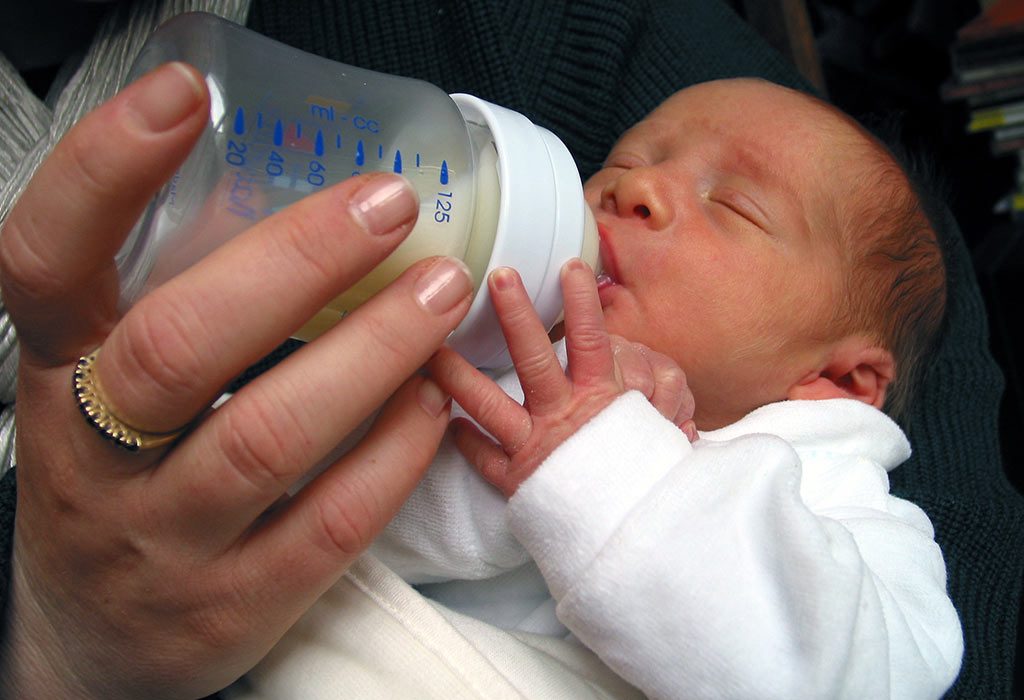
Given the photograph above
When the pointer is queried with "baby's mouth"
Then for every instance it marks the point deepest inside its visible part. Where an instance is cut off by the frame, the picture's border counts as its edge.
(606, 280)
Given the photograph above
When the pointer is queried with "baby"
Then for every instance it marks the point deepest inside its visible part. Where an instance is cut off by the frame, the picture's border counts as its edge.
(765, 244)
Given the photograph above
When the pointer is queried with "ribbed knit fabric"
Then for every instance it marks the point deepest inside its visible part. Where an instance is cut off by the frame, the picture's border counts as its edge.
(956, 476)
(588, 69)
(8, 501)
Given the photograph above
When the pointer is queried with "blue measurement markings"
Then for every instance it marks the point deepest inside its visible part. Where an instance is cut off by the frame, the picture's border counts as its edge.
(240, 126)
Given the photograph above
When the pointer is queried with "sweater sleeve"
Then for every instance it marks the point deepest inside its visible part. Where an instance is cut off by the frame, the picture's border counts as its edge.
(739, 567)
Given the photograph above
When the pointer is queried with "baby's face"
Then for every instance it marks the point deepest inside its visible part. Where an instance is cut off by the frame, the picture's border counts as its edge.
(716, 215)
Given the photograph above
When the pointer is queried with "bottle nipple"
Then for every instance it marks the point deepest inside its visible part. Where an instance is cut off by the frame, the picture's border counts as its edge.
(591, 250)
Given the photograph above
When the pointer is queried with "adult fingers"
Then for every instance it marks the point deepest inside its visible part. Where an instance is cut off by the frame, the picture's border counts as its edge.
(307, 544)
(587, 343)
(496, 411)
(56, 253)
(242, 457)
(544, 382)
(175, 350)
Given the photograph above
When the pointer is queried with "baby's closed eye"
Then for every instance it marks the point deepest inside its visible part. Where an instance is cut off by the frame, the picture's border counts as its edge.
(740, 204)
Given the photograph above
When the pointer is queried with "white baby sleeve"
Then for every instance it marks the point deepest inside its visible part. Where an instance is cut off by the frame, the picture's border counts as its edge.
(703, 572)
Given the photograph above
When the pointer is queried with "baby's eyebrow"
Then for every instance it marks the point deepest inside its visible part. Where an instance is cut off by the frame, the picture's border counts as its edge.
(754, 160)
(787, 205)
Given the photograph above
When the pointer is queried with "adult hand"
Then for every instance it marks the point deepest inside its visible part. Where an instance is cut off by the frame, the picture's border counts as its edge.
(601, 367)
(170, 572)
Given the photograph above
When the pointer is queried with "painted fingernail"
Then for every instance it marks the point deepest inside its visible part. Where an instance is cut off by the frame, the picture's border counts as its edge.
(384, 203)
(432, 398)
(503, 278)
(443, 285)
(166, 96)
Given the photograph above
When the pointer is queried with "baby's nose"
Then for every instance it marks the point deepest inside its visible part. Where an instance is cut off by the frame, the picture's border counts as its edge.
(634, 195)
(611, 203)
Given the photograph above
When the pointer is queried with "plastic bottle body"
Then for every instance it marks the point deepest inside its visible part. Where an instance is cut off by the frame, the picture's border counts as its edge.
(285, 124)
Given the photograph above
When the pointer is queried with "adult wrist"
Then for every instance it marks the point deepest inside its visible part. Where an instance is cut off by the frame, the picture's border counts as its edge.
(33, 658)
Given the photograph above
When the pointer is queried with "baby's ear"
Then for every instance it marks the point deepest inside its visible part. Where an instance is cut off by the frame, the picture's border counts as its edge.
(855, 369)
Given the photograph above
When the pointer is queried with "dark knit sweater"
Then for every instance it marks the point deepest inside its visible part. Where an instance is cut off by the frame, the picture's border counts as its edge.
(587, 70)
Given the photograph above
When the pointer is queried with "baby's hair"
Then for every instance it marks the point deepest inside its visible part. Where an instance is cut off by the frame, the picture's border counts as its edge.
(896, 290)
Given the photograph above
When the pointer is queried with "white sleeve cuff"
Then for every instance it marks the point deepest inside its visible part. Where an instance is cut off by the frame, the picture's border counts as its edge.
(565, 512)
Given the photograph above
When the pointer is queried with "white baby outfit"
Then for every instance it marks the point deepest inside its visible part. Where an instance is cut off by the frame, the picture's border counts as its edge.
(766, 560)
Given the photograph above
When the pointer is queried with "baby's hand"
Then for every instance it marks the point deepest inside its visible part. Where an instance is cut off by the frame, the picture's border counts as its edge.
(657, 377)
(557, 403)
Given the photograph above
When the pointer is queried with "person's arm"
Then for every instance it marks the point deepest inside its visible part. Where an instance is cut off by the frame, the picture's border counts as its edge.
(169, 572)
(706, 573)
(732, 568)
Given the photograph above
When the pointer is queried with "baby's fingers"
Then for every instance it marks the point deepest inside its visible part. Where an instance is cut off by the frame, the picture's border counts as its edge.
(671, 396)
(586, 340)
(481, 398)
(493, 463)
(632, 370)
(540, 374)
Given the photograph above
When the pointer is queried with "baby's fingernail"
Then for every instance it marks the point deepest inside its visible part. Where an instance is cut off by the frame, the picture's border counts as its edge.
(573, 265)
(432, 398)
(384, 204)
(443, 285)
(166, 96)
(689, 428)
(503, 278)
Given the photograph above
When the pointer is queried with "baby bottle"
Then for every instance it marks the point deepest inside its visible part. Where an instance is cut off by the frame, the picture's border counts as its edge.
(494, 188)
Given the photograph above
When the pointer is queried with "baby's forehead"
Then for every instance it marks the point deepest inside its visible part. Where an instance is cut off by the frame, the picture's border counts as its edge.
(730, 92)
(767, 115)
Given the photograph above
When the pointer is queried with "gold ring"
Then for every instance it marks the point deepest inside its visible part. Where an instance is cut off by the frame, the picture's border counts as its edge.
(92, 404)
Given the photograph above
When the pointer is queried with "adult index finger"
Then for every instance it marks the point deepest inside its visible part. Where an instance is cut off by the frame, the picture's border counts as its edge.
(243, 457)
(176, 349)
(56, 252)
